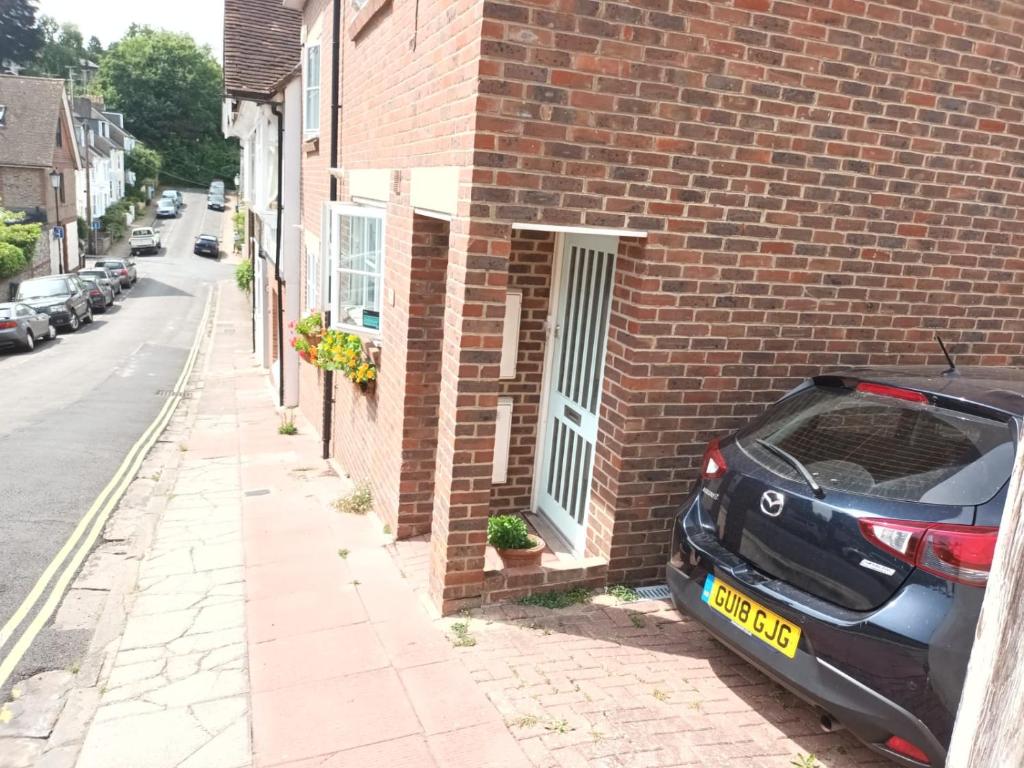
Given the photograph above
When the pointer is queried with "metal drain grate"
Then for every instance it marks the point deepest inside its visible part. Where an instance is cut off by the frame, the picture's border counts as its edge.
(657, 592)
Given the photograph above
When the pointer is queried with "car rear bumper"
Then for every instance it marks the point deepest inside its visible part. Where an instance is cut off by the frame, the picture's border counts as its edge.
(12, 337)
(98, 302)
(869, 716)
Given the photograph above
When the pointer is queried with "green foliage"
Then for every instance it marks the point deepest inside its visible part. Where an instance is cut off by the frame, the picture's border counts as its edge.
(113, 220)
(238, 220)
(170, 92)
(244, 276)
(62, 50)
(144, 162)
(311, 323)
(20, 35)
(623, 594)
(25, 237)
(805, 761)
(287, 425)
(563, 599)
(358, 502)
(12, 261)
(508, 532)
(83, 228)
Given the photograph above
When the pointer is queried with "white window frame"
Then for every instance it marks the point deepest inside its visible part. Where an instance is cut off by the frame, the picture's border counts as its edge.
(310, 130)
(333, 214)
(312, 280)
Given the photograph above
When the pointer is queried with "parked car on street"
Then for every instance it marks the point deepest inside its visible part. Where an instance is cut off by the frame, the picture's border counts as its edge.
(215, 201)
(21, 326)
(175, 195)
(144, 240)
(103, 274)
(166, 208)
(62, 297)
(123, 268)
(217, 187)
(842, 542)
(207, 245)
(100, 296)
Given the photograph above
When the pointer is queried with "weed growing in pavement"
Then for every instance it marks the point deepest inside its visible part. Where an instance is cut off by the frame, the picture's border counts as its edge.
(562, 599)
(287, 425)
(694, 705)
(558, 726)
(524, 721)
(182, 447)
(462, 639)
(342, 553)
(660, 695)
(355, 582)
(805, 761)
(359, 502)
(387, 529)
(638, 620)
(623, 594)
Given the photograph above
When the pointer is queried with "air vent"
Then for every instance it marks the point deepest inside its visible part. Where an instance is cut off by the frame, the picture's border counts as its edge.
(657, 592)
(396, 182)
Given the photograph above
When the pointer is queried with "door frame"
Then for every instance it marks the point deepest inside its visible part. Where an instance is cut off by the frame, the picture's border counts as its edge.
(557, 276)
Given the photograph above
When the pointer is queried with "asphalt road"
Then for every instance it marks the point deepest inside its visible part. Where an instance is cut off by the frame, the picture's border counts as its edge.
(71, 410)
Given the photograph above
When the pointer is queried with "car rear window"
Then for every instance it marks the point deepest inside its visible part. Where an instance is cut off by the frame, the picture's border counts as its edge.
(6, 314)
(882, 446)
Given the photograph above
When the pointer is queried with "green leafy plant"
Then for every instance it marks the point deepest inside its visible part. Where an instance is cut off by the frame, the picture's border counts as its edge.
(460, 629)
(340, 351)
(11, 260)
(508, 532)
(311, 324)
(343, 553)
(638, 620)
(805, 761)
(287, 425)
(244, 276)
(623, 594)
(358, 502)
(238, 222)
(562, 599)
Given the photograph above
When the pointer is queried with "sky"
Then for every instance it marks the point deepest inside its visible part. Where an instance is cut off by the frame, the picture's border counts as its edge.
(110, 19)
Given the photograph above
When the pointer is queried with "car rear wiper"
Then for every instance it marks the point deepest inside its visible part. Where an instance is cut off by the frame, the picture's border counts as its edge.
(794, 462)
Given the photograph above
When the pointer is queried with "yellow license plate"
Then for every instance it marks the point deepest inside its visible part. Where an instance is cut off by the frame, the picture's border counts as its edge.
(752, 617)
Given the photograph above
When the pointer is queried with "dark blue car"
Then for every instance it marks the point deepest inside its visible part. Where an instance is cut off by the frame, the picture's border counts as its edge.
(841, 543)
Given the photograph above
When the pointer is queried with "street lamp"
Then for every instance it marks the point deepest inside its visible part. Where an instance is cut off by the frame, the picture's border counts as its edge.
(55, 183)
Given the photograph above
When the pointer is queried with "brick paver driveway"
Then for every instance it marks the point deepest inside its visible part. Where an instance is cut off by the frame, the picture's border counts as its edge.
(615, 685)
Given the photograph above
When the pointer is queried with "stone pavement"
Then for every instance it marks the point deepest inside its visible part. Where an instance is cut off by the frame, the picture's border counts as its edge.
(270, 630)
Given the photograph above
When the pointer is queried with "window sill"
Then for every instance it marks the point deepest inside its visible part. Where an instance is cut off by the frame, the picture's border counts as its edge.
(365, 16)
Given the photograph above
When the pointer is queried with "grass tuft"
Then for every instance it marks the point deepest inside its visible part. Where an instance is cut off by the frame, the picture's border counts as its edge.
(358, 502)
(560, 599)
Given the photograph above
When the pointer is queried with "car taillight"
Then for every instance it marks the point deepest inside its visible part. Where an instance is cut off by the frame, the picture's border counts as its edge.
(907, 749)
(960, 553)
(886, 391)
(712, 466)
(123, 272)
(95, 292)
(8, 324)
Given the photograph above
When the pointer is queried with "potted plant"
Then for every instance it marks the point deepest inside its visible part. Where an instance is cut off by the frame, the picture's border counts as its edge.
(340, 351)
(516, 546)
(307, 334)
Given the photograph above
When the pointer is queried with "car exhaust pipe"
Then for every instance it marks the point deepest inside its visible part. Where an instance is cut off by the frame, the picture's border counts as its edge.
(830, 725)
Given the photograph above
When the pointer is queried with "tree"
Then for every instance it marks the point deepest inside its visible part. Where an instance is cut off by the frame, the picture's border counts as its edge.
(95, 49)
(169, 89)
(20, 36)
(62, 51)
(144, 163)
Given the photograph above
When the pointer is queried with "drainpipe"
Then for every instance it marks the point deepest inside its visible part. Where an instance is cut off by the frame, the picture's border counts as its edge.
(276, 110)
(335, 107)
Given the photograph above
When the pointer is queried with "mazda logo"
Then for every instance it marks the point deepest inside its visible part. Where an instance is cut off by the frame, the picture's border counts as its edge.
(772, 503)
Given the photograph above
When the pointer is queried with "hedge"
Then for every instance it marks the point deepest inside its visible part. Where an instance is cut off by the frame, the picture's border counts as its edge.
(12, 261)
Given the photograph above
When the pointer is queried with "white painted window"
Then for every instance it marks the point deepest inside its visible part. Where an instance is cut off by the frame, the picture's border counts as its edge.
(356, 255)
(312, 280)
(311, 115)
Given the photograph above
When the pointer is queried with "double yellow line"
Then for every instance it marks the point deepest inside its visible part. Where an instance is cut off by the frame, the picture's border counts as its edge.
(84, 536)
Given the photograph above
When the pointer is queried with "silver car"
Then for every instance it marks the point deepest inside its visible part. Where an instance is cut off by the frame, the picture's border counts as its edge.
(21, 326)
(103, 277)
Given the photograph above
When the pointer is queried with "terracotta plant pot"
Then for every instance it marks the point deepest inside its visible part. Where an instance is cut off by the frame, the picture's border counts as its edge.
(523, 558)
(314, 338)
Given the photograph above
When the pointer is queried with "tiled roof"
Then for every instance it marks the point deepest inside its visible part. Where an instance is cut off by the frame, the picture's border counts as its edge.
(261, 45)
(29, 132)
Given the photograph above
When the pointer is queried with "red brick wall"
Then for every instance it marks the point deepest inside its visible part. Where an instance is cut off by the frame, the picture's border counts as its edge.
(409, 85)
(529, 271)
(822, 187)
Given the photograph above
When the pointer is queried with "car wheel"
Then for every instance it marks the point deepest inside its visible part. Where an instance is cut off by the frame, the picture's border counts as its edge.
(51, 332)
(30, 341)
(75, 323)
(88, 316)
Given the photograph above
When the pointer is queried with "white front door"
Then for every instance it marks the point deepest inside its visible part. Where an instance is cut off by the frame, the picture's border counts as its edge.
(583, 282)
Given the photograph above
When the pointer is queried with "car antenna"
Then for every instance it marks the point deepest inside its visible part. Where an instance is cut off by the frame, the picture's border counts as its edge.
(951, 371)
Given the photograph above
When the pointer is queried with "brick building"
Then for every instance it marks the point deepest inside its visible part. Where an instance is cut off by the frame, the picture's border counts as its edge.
(585, 237)
(37, 138)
